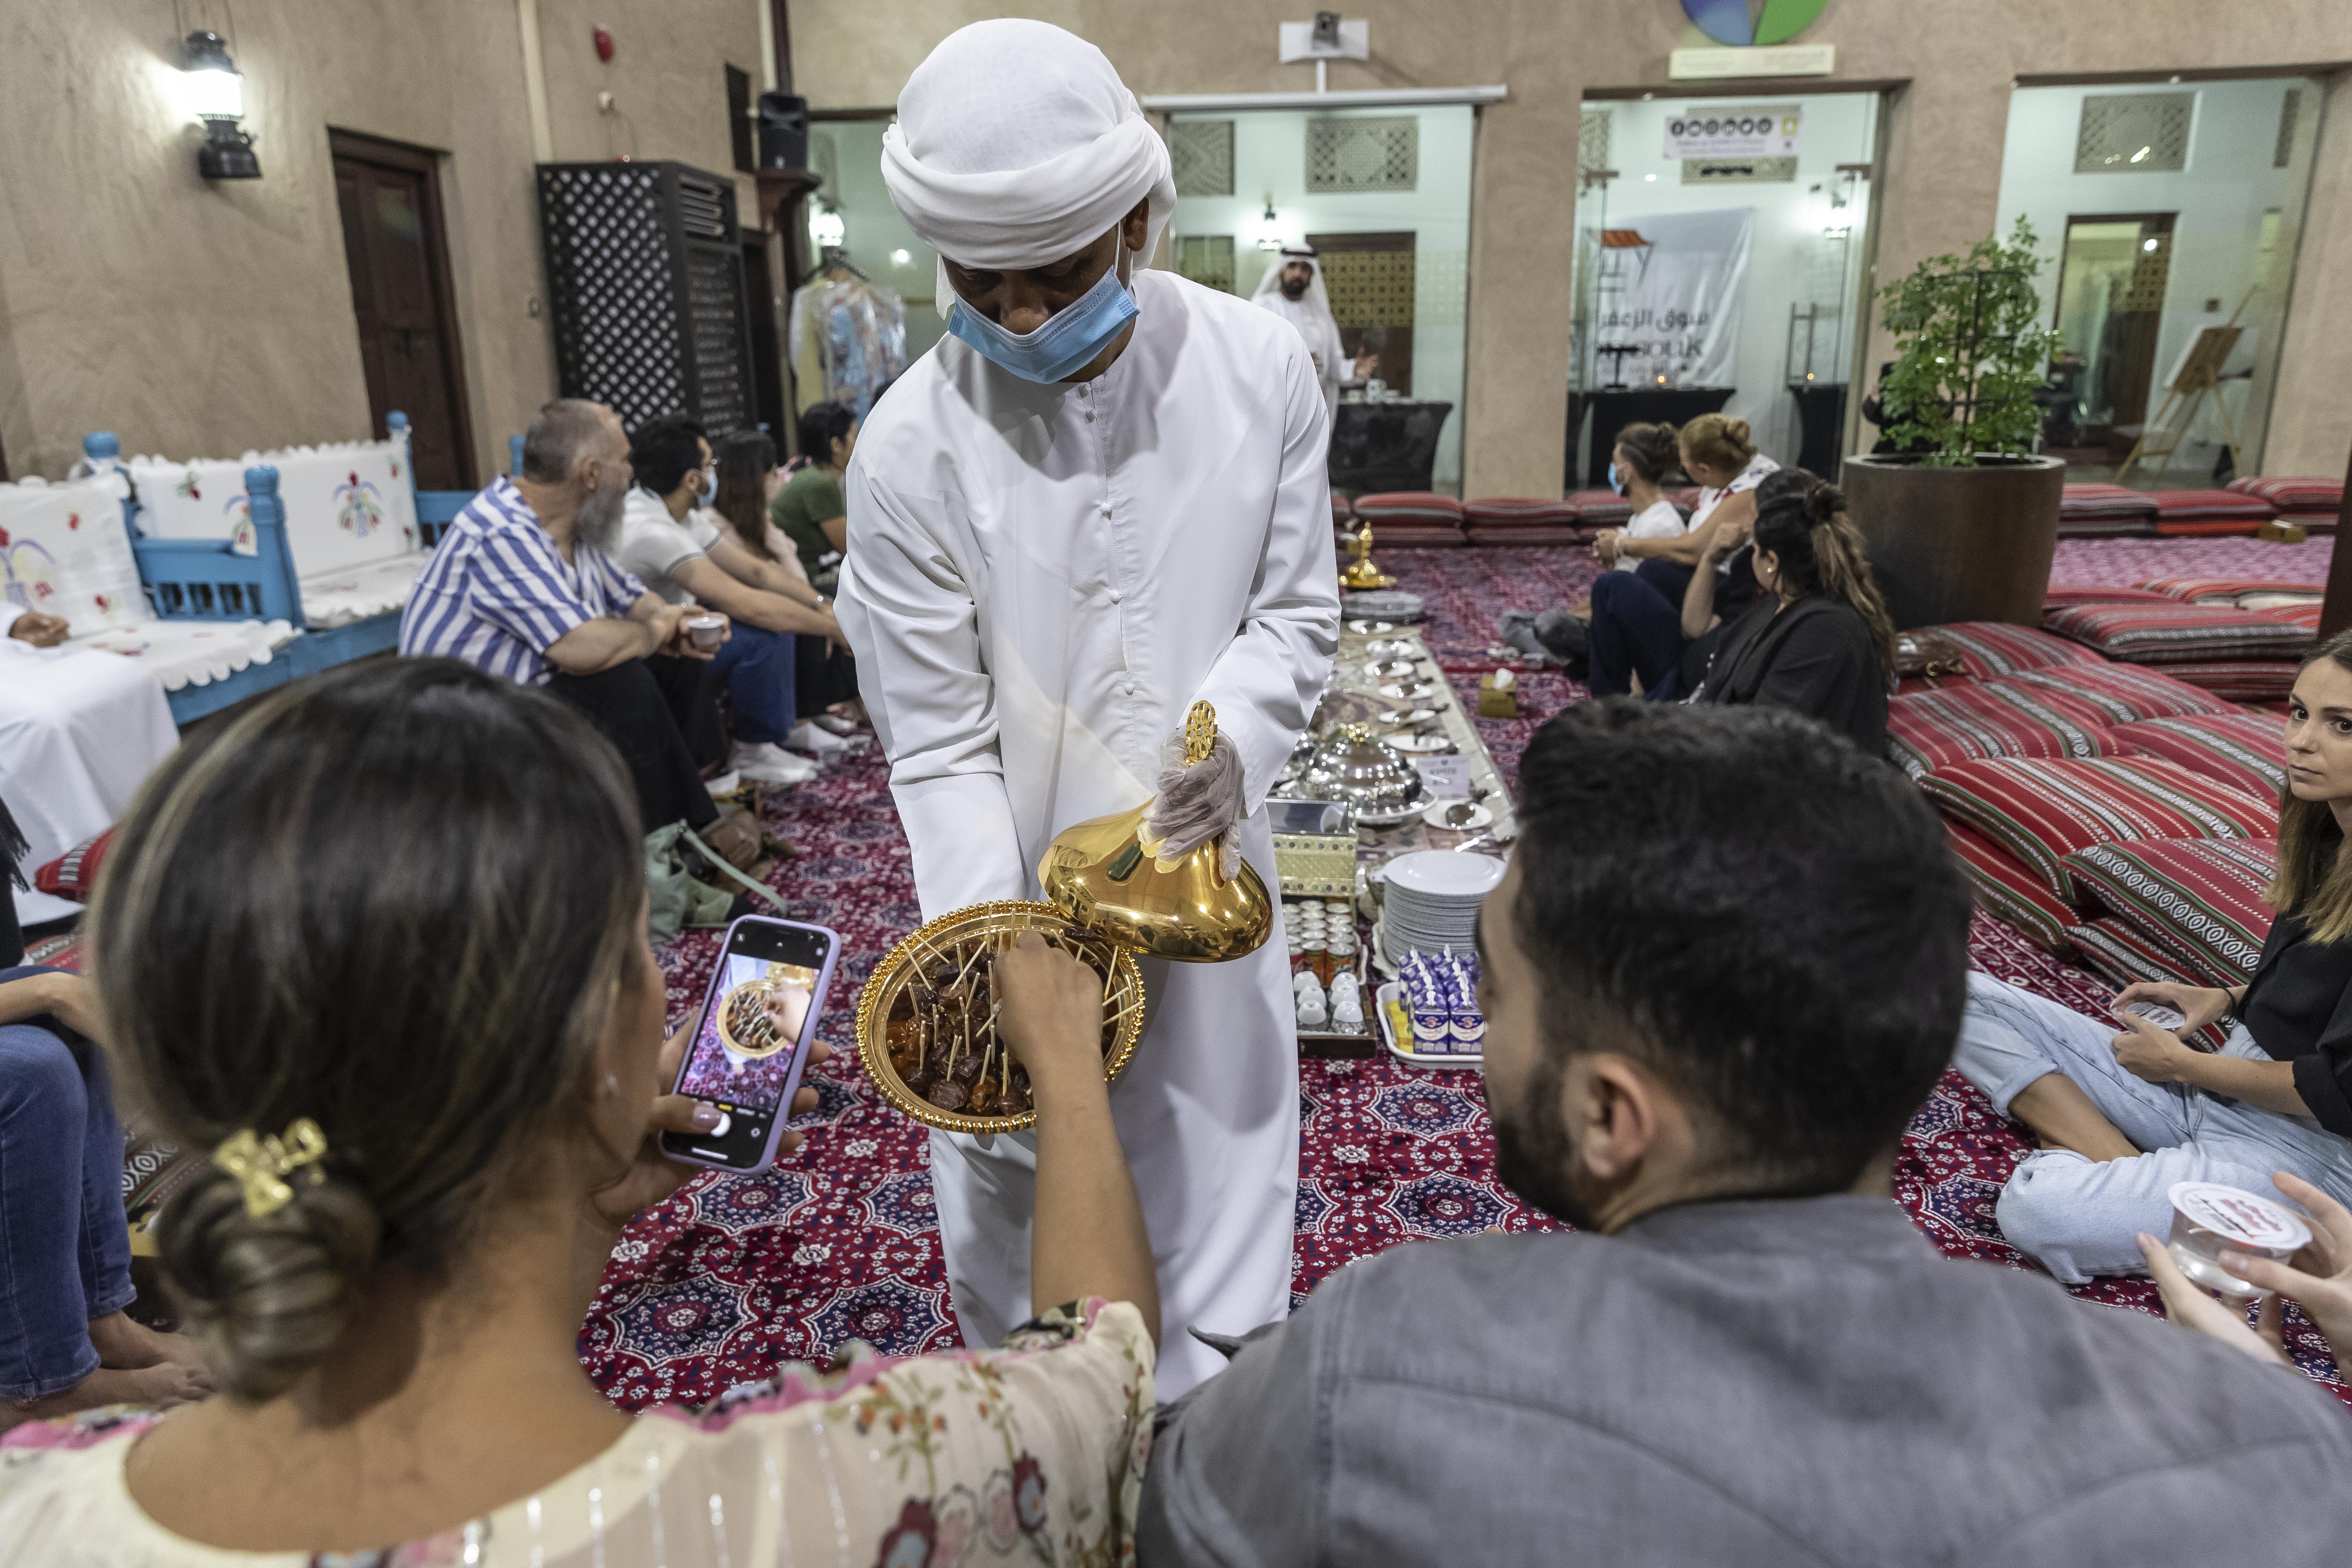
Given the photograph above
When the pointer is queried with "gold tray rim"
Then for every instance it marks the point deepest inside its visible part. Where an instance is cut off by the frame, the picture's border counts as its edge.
(882, 985)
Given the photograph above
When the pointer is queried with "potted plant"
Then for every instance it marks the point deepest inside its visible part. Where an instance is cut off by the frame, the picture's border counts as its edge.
(1962, 516)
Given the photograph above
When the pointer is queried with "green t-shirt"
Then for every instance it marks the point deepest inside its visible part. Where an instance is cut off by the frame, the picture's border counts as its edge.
(809, 498)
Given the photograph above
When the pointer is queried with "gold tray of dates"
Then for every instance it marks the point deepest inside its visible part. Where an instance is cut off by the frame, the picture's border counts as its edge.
(926, 1028)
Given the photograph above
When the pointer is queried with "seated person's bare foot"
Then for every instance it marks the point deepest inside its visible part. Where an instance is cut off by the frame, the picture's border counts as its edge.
(126, 1345)
(156, 1388)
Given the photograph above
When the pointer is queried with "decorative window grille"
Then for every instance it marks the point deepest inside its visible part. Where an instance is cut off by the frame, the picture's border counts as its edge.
(1346, 155)
(1369, 288)
(1738, 171)
(1206, 258)
(644, 269)
(2289, 107)
(2134, 133)
(1592, 128)
(1202, 153)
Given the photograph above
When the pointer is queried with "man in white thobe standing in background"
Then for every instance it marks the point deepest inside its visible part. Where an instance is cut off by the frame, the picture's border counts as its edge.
(1292, 290)
(1100, 499)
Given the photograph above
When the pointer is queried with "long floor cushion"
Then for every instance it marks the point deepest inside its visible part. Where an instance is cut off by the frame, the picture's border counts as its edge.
(2090, 511)
(2244, 751)
(2041, 810)
(2241, 680)
(1532, 520)
(1410, 517)
(2117, 693)
(2296, 499)
(2200, 897)
(1968, 720)
(2245, 593)
(2177, 633)
(2008, 892)
(2209, 514)
(1998, 648)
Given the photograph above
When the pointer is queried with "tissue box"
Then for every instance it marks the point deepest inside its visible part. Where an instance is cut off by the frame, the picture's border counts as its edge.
(1498, 701)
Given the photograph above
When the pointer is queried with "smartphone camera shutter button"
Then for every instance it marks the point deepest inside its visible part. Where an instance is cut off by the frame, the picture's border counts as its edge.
(719, 1128)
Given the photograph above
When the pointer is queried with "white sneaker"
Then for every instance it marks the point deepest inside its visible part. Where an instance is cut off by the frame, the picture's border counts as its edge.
(770, 764)
(725, 784)
(809, 736)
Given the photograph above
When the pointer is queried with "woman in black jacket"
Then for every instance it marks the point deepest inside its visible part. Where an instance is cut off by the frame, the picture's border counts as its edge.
(1818, 638)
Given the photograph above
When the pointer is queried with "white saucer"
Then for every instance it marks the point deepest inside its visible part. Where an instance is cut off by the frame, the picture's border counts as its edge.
(1479, 817)
(1420, 744)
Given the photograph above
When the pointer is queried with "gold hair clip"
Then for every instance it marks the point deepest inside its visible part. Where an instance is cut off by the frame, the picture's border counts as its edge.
(262, 1165)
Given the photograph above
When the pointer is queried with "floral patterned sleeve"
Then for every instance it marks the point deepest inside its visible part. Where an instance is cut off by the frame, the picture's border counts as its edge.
(1033, 1453)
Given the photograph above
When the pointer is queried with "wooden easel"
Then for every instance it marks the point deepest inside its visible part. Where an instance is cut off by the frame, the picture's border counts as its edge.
(2201, 373)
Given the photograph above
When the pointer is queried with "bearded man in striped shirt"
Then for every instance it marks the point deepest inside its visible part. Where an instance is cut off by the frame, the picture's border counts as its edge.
(523, 585)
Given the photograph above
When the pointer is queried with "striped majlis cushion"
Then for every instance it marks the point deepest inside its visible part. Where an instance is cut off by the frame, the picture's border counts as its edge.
(2200, 897)
(2117, 693)
(2177, 633)
(2244, 751)
(2008, 892)
(1966, 720)
(2042, 811)
(1997, 648)
(2249, 681)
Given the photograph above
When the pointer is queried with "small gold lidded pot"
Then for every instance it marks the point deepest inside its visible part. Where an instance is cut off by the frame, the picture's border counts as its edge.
(1107, 879)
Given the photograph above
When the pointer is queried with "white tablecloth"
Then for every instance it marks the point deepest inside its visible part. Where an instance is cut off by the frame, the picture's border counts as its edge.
(80, 730)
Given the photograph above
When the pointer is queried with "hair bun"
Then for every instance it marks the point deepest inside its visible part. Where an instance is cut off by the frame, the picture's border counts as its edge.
(1824, 502)
(269, 1297)
(1736, 429)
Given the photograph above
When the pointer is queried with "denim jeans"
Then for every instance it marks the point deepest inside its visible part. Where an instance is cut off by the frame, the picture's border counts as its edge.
(758, 667)
(2078, 1216)
(65, 1249)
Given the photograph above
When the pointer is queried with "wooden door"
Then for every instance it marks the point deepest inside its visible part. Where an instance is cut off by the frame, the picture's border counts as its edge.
(393, 243)
(1370, 278)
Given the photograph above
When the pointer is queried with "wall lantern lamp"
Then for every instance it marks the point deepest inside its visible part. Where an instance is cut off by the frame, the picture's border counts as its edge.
(215, 93)
(1269, 235)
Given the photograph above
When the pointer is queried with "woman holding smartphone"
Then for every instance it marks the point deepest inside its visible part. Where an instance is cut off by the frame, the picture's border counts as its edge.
(433, 1083)
(2122, 1116)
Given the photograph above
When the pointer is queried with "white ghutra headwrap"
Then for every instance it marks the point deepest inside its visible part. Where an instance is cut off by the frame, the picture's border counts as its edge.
(1016, 144)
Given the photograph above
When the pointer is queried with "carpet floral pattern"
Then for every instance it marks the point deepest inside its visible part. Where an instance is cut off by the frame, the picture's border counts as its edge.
(734, 1274)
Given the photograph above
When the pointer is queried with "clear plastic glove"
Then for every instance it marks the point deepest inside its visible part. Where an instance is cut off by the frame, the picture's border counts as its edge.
(1199, 803)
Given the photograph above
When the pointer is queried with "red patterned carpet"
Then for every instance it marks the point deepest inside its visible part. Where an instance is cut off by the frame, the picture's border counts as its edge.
(735, 1274)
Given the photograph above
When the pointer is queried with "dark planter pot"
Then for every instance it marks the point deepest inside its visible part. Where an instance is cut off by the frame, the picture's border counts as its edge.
(1958, 544)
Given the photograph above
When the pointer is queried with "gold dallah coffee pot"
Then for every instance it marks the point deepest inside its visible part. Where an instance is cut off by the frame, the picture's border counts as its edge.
(1105, 876)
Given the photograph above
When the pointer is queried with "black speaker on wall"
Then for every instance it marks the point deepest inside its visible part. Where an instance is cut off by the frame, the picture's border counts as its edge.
(783, 131)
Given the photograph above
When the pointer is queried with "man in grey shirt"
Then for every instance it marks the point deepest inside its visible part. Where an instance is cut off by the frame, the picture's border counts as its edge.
(1725, 968)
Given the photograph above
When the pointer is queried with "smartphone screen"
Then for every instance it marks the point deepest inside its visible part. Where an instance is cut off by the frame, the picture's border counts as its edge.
(753, 1039)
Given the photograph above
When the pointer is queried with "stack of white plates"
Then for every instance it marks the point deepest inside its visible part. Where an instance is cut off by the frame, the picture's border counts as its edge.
(1432, 904)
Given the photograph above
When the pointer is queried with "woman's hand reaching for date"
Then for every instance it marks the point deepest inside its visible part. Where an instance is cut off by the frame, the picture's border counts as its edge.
(1049, 1010)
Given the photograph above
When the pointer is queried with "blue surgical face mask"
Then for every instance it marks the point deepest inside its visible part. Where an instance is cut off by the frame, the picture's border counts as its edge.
(709, 493)
(1614, 483)
(1069, 338)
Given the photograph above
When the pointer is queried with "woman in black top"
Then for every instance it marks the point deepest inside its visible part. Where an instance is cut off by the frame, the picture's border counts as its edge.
(2123, 1116)
(1818, 638)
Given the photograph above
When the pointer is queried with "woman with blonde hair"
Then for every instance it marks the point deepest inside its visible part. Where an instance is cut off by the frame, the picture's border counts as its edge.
(1636, 640)
(379, 945)
(1819, 639)
(2122, 1115)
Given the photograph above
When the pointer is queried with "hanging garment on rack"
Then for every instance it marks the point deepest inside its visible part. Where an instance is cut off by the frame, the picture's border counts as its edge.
(857, 333)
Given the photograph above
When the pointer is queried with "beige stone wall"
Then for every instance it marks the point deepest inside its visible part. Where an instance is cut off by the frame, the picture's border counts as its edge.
(199, 319)
(1944, 132)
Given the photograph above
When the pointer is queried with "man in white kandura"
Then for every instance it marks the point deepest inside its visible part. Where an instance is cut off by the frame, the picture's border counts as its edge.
(1100, 499)
(1292, 290)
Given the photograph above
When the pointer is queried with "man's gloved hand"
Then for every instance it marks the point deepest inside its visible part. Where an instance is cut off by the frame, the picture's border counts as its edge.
(1198, 803)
